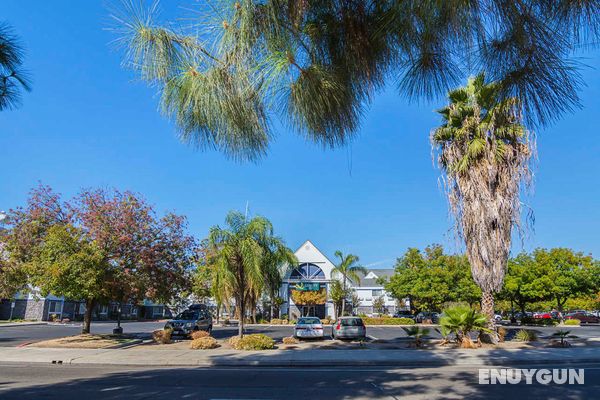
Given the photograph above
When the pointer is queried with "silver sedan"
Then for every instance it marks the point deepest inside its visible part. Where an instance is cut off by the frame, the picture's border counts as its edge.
(308, 327)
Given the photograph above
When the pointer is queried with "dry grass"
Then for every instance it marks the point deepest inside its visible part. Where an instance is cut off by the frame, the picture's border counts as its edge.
(85, 342)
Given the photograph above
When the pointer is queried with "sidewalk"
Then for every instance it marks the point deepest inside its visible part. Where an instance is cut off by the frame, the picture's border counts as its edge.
(300, 358)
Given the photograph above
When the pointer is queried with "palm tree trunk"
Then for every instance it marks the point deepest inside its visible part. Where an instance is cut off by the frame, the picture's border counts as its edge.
(344, 299)
(241, 311)
(487, 308)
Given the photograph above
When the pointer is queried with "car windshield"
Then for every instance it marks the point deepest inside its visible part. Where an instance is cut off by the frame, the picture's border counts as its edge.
(308, 321)
(189, 315)
(351, 322)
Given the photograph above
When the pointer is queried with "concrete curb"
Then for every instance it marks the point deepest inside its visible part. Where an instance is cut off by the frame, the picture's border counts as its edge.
(14, 324)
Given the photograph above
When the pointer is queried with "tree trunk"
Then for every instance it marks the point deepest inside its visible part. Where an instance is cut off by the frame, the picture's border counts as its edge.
(87, 318)
(241, 312)
(487, 308)
(344, 299)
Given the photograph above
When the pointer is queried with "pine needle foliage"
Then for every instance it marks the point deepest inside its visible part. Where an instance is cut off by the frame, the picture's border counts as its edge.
(13, 79)
(315, 64)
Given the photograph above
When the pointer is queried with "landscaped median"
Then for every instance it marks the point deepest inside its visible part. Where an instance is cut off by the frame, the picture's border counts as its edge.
(306, 358)
(86, 341)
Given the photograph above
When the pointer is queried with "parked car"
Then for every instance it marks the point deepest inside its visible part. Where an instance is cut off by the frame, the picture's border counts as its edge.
(583, 316)
(497, 317)
(308, 327)
(427, 316)
(349, 328)
(547, 315)
(404, 314)
(190, 321)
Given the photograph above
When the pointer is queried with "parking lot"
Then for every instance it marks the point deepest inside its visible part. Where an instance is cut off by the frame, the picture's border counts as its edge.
(20, 335)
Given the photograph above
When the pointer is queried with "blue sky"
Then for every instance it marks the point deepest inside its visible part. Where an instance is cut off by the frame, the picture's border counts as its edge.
(88, 123)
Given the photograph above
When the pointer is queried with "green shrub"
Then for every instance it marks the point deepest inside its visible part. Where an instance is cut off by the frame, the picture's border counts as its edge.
(388, 321)
(526, 335)
(461, 321)
(538, 321)
(277, 321)
(204, 343)
(417, 333)
(162, 336)
(573, 321)
(257, 341)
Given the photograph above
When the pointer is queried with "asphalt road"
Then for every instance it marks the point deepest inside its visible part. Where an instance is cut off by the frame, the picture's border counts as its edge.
(17, 335)
(21, 381)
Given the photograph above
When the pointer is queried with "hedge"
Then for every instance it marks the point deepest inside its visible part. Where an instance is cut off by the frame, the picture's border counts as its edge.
(573, 321)
(388, 321)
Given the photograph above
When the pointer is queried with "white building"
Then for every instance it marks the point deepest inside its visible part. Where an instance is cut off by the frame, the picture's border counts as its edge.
(314, 273)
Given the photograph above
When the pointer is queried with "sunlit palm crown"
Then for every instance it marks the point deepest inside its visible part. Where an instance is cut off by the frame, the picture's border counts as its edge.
(316, 64)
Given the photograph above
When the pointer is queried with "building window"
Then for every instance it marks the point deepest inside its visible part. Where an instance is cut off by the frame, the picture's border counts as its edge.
(376, 292)
(103, 309)
(54, 307)
(307, 271)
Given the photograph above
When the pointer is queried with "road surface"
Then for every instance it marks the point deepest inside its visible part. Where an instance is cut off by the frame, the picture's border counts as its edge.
(21, 381)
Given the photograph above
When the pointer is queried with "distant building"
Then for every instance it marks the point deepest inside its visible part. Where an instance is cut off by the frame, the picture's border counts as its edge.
(314, 273)
(32, 306)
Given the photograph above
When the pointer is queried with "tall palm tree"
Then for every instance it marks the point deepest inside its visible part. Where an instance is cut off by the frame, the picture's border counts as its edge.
(244, 254)
(484, 153)
(348, 268)
(12, 76)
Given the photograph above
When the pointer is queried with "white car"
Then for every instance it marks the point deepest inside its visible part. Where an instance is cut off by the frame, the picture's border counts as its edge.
(308, 327)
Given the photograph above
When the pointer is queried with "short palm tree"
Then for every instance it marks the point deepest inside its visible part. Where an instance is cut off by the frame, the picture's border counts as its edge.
(349, 269)
(244, 255)
(12, 76)
(484, 153)
(461, 321)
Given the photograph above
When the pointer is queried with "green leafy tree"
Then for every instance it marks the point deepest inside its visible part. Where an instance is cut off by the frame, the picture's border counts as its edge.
(523, 283)
(317, 64)
(69, 264)
(337, 294)
(566, 274)
(483, 151)
(13, 79)
(349, 269)
(243, 253)
(431, 278)
(379, 305)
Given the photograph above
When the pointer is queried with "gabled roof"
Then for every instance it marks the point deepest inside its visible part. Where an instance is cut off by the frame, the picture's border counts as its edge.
(370, 280)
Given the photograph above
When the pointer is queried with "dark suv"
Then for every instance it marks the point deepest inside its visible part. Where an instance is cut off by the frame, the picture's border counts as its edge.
(190, 321)
(404, 314)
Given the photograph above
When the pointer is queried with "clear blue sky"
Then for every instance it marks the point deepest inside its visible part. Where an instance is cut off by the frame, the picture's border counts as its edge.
(87, 123)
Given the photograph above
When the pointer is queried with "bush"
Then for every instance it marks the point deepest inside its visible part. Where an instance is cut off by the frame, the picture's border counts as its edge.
(200, 334)
(538, 321)
(277, 321)
(388, 321)
(204, 343)
(326, 321)
(501, 331)
(573, 321)
(257, 341)
(461, 321)
(526, 335)
(290, 340)
(162, 336)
